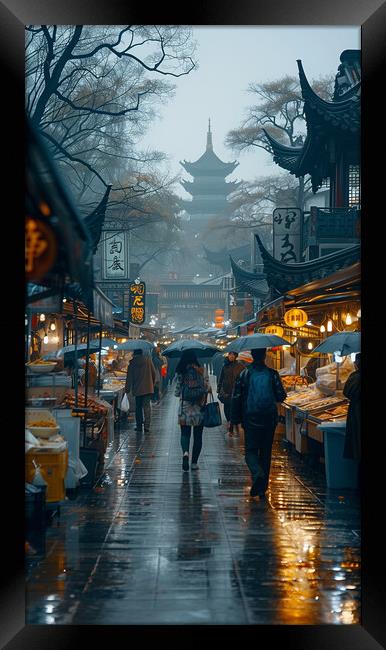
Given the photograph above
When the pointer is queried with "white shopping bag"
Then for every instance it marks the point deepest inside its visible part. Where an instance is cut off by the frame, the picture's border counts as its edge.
(125, 406)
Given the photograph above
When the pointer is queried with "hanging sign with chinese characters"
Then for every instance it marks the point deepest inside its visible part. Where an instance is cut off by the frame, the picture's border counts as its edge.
(115, 255)
(295, 317)
(274, 329)
(137, 298)
(287, 234)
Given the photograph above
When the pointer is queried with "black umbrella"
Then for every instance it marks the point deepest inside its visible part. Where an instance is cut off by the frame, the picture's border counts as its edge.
(201, 349)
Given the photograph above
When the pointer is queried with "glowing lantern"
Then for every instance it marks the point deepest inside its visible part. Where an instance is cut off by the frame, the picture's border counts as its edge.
(295, 318)
(274, 329)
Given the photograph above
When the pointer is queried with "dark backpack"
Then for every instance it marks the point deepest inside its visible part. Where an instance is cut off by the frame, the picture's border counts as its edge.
(261, 392)
(193, 386)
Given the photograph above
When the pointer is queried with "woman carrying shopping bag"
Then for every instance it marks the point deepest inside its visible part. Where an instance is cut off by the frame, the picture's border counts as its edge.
(192, 388)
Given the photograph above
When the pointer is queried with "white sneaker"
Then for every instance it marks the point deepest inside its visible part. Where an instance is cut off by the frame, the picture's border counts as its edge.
(194, 466)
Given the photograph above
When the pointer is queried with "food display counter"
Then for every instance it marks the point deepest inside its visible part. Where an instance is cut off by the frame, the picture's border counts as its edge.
(113, 391)
(307, 408)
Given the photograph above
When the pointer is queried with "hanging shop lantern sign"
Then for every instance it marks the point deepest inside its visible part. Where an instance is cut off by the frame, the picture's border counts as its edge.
(274, 329)
(40, 248)
(137, 299)
(295, 318)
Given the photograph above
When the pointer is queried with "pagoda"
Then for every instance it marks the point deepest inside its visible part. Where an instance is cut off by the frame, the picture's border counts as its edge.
(208, 188)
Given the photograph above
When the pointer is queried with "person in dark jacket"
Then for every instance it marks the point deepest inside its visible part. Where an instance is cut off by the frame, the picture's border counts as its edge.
(352, 390)
(229, 373)
(256, 391)
(140, 380)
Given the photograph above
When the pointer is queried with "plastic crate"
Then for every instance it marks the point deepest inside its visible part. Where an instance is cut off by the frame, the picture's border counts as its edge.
(53, 470)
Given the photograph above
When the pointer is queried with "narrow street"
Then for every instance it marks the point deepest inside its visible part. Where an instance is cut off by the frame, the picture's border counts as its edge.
(153, 545)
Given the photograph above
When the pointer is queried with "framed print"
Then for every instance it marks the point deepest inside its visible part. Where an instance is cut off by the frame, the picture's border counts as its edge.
(60, 625)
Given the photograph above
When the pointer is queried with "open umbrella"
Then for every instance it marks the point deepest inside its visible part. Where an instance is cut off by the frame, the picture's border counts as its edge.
(81, 349)
(255, 341)
(201, 349)
(136, 344)
(344, 343)
(108, 343)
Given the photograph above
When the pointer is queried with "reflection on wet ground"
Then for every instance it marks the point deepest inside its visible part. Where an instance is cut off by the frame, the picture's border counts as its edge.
(151, 544)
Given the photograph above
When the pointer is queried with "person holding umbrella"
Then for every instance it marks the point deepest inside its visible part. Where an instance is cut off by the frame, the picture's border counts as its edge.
(192, 388)
(256, 392)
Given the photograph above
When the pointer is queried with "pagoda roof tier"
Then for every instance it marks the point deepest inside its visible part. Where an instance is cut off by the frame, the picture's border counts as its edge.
(209, 164)
(285, 277)
(208, 206)
(253, 283)
(217, 187)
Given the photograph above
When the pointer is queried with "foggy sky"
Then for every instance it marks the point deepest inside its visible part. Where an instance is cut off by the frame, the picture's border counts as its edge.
(230, 58)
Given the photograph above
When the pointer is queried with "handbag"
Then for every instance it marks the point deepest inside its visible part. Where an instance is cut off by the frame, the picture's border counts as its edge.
(125, 405)
(212, 414)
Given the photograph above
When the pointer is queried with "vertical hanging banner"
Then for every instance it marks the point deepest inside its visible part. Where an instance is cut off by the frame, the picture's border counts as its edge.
(287, 234)
(115, 256)
(137, 300)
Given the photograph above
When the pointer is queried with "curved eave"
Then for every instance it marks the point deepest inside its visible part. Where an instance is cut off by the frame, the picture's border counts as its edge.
(285, 277)
(343, 114)
(202, 166)
(285, 156)
(253, 283)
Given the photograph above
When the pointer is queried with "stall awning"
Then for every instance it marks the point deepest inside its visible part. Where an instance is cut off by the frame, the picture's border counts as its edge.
(58, 246)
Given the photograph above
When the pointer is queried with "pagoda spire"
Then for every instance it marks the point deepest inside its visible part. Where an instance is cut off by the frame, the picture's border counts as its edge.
(209, 143)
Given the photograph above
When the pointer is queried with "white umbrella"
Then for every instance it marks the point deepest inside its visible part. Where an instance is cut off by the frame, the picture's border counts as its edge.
(256, 341)
(343, 342)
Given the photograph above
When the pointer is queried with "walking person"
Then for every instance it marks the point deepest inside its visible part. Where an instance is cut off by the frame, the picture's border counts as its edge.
(158, 362)
(140, 380)
(229, 373)
(352, 441)
(256, 391)
(192, 388)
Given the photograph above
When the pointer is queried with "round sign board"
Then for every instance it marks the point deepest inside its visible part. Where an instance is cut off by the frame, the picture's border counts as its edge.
(295, 318)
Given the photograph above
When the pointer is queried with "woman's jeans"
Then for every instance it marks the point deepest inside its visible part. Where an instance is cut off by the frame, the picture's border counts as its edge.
(197, 440)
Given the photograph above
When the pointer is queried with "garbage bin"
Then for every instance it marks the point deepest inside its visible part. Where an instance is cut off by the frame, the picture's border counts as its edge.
(340, 472)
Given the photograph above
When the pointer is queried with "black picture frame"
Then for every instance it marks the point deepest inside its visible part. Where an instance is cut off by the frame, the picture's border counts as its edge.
(14, 14)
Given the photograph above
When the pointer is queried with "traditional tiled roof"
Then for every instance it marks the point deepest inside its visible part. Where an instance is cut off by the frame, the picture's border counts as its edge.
(284, 277)
(253, 283)
(340, 117)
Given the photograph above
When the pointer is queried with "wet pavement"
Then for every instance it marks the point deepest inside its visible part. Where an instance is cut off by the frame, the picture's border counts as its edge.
(151, 544)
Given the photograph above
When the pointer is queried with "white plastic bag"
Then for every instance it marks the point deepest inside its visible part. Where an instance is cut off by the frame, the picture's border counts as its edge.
(125, 405)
